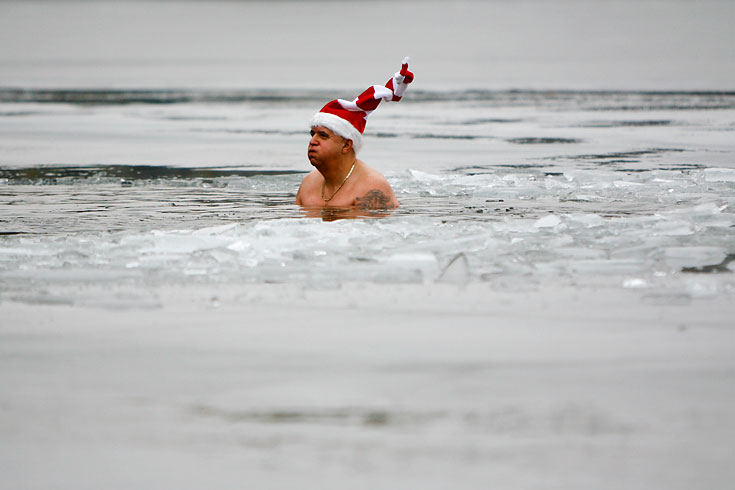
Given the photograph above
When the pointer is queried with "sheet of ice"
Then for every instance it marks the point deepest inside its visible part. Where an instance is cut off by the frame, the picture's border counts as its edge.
(466, 44)
(373, 386)
(428, 131)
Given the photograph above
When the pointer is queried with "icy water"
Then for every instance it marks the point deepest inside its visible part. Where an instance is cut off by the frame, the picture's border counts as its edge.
(616, 189)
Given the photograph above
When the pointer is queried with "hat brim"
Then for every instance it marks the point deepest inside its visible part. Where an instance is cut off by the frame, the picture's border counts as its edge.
(339, 126)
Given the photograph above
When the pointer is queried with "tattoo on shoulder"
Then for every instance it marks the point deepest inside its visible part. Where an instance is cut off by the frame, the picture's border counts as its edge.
(374, 199)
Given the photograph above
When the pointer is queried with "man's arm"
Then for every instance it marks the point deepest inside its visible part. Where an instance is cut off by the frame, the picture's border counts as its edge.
(304, 188)
(298, 197)
(378, 198)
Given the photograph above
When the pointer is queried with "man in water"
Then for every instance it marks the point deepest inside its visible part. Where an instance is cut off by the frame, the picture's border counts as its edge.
(340, 179)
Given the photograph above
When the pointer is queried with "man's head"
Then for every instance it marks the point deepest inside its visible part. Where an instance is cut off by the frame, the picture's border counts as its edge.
(348, 118)
(347, 124)
(326, 146)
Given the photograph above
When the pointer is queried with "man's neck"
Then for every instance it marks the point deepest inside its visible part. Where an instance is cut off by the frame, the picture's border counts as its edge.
(335, 172)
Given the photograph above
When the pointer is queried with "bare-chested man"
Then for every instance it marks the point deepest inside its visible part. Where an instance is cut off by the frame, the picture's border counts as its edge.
(340, 179)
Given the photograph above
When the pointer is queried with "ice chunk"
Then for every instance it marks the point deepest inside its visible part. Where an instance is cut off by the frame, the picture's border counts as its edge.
(240, 245)
(549, 221)
(704, 209)
(693, 256)
(727, 265)
(589, 220)
(25, 251)
(186, 244)
(635, 283)
(602, 266)
(719, 175)
(556, 184)
(580, 253)
(423, 176)
(214, 230)
(587, 198)
(674, 228)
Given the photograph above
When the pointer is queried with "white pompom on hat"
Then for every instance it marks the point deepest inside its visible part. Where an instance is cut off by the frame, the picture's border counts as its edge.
(348, 118)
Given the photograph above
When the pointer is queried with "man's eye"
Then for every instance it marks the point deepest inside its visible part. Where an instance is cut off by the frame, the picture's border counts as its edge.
(311, 132)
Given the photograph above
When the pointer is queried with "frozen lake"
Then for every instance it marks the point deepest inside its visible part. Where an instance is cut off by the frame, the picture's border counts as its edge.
(527, 44)
(555, 293)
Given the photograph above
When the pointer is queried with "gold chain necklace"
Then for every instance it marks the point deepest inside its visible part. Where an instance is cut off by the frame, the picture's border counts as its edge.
(340, 186)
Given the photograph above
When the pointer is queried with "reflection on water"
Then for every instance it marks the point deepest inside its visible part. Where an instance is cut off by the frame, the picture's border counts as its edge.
(330, 213)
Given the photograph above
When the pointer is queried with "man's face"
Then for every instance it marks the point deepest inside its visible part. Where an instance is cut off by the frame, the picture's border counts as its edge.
(324, 145)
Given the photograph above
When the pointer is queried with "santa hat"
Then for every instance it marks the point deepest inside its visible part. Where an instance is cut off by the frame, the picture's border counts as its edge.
(348, 118)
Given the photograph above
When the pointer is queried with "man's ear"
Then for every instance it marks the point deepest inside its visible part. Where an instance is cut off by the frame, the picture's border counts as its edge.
(347, 146)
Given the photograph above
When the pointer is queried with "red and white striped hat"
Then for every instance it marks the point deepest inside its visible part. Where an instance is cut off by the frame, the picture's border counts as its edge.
(348, 118)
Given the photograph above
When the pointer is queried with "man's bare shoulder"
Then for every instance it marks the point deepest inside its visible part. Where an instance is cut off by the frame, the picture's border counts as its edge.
(312, 178)
(376, 192)
(312, 181)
